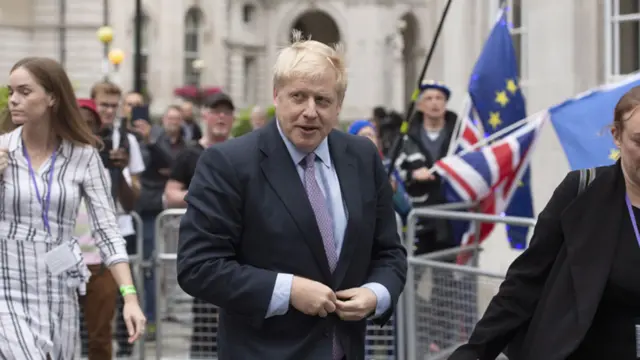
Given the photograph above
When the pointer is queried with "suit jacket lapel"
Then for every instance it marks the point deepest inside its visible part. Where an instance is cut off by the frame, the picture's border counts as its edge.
(347, 171)
(592, 226)
(280, 172)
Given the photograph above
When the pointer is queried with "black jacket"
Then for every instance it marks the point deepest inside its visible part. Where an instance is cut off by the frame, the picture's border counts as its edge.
(248, 218)
(158, 154)
(551, 293)
(413, 156)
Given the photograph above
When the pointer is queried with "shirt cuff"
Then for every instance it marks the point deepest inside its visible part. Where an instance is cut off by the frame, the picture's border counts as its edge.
(281, 296)
(383, 298)
(115, 259)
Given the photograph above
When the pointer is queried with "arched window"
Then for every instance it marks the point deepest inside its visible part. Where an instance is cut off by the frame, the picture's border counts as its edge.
(192, 41)
(622, 38)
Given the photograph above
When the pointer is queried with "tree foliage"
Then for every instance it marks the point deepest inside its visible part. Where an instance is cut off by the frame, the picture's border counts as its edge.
(242, 125)
(4, 97)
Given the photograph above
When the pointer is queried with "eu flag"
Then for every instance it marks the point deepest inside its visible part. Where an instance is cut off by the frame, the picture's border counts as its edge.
(582, 124)
(498, 101)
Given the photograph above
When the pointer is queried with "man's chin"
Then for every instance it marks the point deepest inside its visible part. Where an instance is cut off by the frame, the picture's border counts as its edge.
(220, 134)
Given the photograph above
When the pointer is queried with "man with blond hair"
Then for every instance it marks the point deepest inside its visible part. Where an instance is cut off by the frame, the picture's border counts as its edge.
(290, 229)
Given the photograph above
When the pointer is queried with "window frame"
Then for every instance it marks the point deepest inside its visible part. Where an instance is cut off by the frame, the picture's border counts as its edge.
(612, 40)
(193, 26)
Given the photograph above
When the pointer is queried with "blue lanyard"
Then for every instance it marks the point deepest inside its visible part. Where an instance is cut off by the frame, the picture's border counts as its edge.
(633, 218)
(46, 201)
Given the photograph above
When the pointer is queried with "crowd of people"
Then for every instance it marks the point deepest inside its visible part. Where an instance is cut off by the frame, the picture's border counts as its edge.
(109, 159)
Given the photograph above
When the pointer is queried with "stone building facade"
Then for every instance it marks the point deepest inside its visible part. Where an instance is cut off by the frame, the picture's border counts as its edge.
(564, 47)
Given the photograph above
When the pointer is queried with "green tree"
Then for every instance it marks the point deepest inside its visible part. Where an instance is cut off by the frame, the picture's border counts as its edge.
(242, 125)
(4, 97)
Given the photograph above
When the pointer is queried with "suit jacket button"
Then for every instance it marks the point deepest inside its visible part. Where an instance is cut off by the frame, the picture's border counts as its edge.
(326, 333)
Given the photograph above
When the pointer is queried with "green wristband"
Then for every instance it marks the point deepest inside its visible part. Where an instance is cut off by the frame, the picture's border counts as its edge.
(127, 290)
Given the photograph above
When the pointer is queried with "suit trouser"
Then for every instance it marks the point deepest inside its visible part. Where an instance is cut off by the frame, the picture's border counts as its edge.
(97, 310)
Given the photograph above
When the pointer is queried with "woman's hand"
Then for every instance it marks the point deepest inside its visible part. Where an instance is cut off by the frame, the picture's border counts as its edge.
(134, 318)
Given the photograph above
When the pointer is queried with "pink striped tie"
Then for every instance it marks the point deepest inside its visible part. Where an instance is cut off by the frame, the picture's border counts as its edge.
(325, 225)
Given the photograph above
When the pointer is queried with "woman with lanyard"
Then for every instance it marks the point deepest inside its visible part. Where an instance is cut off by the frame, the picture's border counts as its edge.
(48, 164)
(575, 292)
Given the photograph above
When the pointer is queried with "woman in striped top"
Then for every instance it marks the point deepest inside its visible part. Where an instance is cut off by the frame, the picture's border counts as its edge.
(48, 164)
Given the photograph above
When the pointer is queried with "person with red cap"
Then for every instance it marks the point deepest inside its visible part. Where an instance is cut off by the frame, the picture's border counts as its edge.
(98, 306)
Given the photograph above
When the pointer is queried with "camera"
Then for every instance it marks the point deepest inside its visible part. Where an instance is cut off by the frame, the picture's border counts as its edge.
(106, 135)
(389, 130)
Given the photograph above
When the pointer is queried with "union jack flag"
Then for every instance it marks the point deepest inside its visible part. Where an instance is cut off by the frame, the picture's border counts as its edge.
(487, 174)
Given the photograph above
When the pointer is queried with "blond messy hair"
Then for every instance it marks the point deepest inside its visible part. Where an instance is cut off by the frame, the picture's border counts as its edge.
(310, 59)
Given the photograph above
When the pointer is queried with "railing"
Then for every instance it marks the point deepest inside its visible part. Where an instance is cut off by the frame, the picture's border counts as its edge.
(137, 265)
(444, 300)
(191, 330)
(441, 303)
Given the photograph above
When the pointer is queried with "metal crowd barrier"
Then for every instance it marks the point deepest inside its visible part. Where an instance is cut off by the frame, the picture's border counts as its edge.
(187, 328)
(443, 301)
(120, 334)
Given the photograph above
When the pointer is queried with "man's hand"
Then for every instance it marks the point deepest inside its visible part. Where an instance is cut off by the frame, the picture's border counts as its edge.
(119, 157)
(422, 174)
(356, 303)
(311, 297)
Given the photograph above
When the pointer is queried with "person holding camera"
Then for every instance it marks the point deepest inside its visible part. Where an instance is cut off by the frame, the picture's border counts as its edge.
(122, 156)
(99, 304)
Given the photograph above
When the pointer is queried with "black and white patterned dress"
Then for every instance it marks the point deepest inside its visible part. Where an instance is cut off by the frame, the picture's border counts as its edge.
(39, 311)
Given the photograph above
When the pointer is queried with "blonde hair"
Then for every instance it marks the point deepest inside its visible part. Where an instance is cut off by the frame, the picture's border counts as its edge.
(310, 59)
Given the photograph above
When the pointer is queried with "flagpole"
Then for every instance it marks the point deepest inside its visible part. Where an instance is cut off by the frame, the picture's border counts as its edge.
(523, 169)
(397, 144)
(468, 104)
(466, 108)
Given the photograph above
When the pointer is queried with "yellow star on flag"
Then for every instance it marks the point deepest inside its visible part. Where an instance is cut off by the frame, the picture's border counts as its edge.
(502, 98)
(494, 119)
(520, 183)
(511, 86)
(614, 154)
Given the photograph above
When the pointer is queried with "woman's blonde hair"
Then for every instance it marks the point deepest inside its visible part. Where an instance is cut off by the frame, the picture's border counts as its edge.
(310, 59)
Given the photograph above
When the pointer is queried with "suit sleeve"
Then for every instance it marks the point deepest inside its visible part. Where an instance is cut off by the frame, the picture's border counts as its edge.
(389, 257)
(208, 262)
(519, 294)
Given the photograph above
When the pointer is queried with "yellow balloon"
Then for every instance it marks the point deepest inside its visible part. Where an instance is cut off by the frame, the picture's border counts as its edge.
(116, 56)
(105, 34)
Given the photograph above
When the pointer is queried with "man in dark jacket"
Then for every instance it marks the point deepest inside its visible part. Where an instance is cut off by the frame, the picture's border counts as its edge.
(426, 142)
(160, 145)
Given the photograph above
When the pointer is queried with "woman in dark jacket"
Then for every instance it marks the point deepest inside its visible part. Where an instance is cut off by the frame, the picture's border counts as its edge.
(575, 292)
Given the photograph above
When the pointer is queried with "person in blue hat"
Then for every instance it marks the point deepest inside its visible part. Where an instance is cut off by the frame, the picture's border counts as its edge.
(427, 141)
